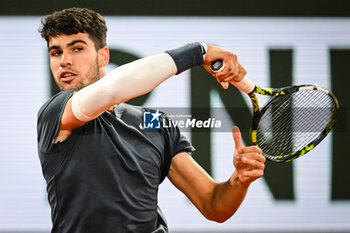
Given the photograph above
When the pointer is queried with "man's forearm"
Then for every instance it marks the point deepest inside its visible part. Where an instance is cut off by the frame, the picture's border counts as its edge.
(122, 84)
(226, 198)
(132, 80)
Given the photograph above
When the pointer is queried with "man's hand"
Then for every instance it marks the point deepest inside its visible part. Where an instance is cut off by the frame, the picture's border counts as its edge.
(233, 71)
(249, 161)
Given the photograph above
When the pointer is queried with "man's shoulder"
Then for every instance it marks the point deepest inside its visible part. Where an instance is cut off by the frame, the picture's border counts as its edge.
(55, 103)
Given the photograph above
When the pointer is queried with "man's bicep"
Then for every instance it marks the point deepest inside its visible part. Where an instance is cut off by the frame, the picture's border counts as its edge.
(190, 178)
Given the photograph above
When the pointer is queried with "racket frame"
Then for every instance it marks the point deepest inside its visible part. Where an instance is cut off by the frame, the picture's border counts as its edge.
(275, 93)
(251, 89)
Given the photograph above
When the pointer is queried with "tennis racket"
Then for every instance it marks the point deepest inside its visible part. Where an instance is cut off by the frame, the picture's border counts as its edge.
(293, 122)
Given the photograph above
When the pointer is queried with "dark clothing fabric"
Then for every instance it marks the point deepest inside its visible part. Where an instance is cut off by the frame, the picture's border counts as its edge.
(104, 177)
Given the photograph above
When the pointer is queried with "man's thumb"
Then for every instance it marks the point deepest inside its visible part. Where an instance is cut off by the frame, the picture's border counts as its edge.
(224, 84)
(237, 137)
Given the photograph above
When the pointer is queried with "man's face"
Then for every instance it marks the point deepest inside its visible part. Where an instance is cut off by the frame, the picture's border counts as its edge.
(73, 61)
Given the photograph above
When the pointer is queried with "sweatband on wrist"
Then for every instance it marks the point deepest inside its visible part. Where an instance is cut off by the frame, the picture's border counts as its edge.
(187, 56)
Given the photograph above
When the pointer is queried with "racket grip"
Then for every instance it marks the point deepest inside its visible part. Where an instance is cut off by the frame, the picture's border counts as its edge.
(244, 85)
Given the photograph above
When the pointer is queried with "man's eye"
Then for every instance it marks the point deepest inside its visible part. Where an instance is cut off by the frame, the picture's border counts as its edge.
(77, 49)
(56, 53)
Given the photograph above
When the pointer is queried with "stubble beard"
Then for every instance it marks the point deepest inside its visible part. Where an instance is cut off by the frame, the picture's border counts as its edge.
(92, 76)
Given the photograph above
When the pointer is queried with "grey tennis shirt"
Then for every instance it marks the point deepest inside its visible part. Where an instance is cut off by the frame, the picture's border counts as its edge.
(104, 177)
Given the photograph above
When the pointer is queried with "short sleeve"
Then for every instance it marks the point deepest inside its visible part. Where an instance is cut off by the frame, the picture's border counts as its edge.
(49, 118)
(175, 142)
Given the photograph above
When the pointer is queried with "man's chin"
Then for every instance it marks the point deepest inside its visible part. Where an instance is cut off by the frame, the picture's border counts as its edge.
(75, 86)
(67, 87)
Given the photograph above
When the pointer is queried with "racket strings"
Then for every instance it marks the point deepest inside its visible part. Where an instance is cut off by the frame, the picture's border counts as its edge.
(273, 133)
(311, 117)
(293, 121)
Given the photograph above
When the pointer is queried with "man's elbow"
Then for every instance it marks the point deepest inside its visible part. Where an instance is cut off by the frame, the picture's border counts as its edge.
(219, 217)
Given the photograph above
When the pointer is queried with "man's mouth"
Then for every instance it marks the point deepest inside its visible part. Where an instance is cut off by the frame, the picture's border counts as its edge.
(67, 76)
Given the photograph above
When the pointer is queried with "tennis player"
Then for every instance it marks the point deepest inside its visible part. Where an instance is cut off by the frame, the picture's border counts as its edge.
(102, 170)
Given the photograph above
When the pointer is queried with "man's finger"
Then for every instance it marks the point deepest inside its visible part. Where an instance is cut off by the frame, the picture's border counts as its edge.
(254, 155)
(250, 149)
(237, 138)
(253, 163)
(224, 84)
(254, 173)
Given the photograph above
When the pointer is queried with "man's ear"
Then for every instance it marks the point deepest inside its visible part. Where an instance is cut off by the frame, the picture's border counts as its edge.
(103, 56)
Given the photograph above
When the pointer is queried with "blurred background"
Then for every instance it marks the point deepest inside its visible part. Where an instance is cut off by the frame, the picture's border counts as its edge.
(280, 43)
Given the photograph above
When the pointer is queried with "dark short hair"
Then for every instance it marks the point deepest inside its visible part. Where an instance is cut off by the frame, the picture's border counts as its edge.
(72, 21)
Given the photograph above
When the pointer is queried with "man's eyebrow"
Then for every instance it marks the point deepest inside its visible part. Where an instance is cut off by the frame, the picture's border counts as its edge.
(53, 47)
(76, 41)
(69, 44)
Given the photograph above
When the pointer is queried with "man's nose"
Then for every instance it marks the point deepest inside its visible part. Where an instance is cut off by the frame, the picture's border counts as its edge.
(66, 60)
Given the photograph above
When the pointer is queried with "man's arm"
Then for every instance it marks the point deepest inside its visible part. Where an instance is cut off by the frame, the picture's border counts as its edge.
(218, 201)
(135, 79)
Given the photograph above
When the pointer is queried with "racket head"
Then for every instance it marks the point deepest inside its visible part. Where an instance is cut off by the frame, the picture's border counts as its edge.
(294, 121)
